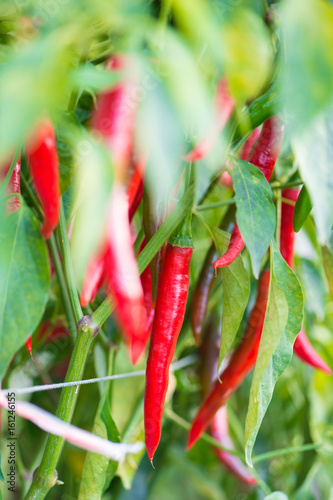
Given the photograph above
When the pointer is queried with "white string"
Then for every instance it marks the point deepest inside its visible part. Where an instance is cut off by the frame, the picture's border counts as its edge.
(177, 365)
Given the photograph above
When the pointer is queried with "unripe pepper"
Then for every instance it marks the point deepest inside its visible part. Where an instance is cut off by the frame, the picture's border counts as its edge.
(169, 316)
(42, 158)
(219, 430)
(13, 203)
(223, 107)
(302, 346)
(241, 363)
(264, 156)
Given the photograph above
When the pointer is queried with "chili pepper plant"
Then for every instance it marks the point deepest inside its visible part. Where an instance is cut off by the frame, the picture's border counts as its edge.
(166, 249)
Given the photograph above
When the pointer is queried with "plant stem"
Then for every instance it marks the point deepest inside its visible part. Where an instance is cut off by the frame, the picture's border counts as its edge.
(63, 288)
(205, 437)
(45, 476)
(67, 262)
(286, 451)
(58, 269)
(215, 205)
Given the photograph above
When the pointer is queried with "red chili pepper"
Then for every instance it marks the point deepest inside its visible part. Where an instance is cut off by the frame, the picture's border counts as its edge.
(219, 428)
(241, 363)
(42, 157)
(115, 114)
(264, 157)
(169, 316)
(122, 274)
(28, 345)
(302, 346)
(134, 193)
(224, 106)
(93, 280)
(13, 203)
(226, 179)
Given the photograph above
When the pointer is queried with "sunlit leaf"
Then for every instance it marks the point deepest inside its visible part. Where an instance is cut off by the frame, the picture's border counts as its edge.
(314, 152)
(307, 69)
(247, 53)
(93, 180)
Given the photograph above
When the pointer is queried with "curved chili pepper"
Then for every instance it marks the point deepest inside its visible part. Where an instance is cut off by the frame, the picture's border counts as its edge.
(42, 157)
(13, 203)
(168, 320)
(224, 106)
(219, 428)
(93, 280)
(264, 157)
(302, 345)
(122, 274)
(241, 363)
(114, 116)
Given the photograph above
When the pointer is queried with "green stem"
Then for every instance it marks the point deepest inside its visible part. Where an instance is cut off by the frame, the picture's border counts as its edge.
(63, 288)
(45, 476)
(10, 171)
(211, 206)
(296, 183)
(286, 451)
(204, 437)
(57, 266)
(67, 262)
(157, 241)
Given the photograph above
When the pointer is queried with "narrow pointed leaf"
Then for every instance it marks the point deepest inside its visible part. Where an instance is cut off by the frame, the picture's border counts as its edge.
(236, 291)
(256, 216)
(99, 469)
(283, 321)
(303, 208)
(24, 281)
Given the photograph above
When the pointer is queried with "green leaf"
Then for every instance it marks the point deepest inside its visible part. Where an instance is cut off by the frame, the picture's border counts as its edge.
(328, 267)
(307, 70)
(314, 151)
(93, 183)
(256, 215)
(283, 321)
(88, 76)
(312, 280)
(24, 281)
(1, 474)
(65, 148)
(236, 291)
(99, 470)
(248, 53)
(277, 495)
(303, 208)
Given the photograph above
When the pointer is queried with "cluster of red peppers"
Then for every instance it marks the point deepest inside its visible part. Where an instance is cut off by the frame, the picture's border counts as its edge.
(153, 305)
